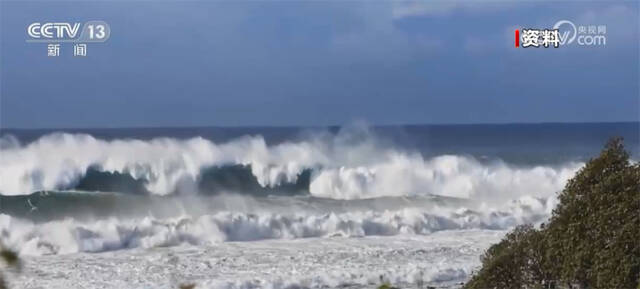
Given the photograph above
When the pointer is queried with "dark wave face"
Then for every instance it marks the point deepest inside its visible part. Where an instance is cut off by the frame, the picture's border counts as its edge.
(211, 181)
(48, 206)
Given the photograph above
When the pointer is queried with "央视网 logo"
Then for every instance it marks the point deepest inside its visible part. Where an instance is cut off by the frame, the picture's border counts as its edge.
(563, 33)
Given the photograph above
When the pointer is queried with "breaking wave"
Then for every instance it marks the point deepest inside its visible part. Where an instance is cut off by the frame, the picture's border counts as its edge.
(70, 235)
(344, 166)
(185, 191)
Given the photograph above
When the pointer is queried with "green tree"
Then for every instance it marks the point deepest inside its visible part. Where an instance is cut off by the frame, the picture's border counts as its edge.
(591, 240)
(11, 260)
(594, 231)
(515, 262)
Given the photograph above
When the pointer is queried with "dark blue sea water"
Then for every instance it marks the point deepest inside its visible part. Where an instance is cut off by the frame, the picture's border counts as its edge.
(513, 143)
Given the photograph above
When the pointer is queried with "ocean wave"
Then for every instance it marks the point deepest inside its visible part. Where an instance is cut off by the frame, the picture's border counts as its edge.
(338, 167)
(70, 235)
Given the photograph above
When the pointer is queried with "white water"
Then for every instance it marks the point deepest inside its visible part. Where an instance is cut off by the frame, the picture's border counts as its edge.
(313, 245)
(69, 235)
(440, 259)
(343, 169)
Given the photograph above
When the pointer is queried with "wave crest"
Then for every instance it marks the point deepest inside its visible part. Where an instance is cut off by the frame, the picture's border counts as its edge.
(337, 167)
(71, 235)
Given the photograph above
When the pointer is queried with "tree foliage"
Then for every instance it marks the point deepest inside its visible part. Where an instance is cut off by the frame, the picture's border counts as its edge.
(592, 239)
(10, 259)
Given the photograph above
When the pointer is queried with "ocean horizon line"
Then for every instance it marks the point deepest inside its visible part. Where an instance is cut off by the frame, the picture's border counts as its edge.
(317, 126)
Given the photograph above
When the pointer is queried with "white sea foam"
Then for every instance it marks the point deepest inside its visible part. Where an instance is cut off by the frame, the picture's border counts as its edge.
(71, 235)
(304, 242)
(439, 259)
(342, 168)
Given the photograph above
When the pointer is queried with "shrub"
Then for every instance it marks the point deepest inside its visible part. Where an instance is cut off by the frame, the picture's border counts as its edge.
(11, 260)
(591, 239)
(515, 262)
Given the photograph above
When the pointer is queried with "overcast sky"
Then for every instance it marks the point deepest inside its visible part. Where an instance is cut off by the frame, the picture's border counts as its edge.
(238, 63)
